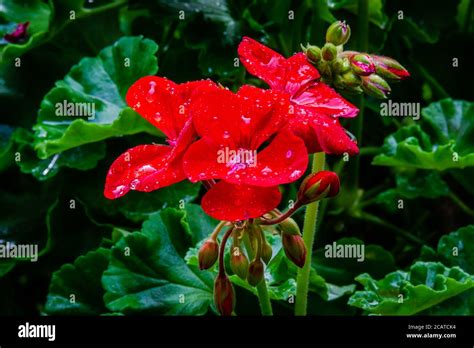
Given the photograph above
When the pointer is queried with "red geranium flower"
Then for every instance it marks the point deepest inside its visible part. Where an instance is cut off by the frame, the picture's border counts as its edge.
(244, 142)
(150, 167)
(316, 106)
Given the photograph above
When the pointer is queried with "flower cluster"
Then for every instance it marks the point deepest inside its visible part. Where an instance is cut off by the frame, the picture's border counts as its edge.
(351, 71)
(241, 146)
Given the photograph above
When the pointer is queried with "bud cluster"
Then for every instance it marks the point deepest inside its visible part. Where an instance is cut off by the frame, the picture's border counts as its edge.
(250, 251)
(350, 71)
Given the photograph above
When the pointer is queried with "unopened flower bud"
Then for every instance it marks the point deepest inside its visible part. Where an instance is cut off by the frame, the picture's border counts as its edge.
(239, 263)
(294, 248)
(375, 86)
(329, 51)
(349, 79)
(208, 254)
(289, 226)
(338, 33)
(224, 295)
(340, 65)
(313, 53)
(267, 252)
(317, 186)
(389, 68)
(362, 64)
(255, 275)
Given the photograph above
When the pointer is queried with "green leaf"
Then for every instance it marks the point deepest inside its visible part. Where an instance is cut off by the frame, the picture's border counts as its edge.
(6, 147)
(376, 14)
(457, 248)
(426, 284)
(12, 12)
(148, 275)
(76, 288)
(451, 122)
(101, 83)
(411, 185)
(214, 11)
(377, 262)
(83, 157)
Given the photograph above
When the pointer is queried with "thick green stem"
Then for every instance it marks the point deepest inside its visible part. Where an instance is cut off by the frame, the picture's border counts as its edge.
(363, 46)
(309, 231)
(263, 298)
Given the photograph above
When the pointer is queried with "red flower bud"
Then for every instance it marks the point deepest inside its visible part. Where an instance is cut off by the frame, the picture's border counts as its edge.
(389, 68)
(224, 295)
(375, 86)
(239, 263)
(255, 275)
(208, 254)
(294, 247)
(362, 64)
(338, 33)
(19, 34)
(317, 186)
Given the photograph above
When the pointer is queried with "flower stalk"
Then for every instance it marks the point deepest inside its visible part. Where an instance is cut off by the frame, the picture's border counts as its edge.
(309, 231)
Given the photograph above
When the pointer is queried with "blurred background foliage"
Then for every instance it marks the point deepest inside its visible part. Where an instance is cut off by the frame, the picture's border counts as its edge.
(52, 193)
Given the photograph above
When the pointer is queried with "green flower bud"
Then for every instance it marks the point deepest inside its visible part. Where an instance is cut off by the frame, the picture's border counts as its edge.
(290, 226)
(313, 53)
(350, 79)
(208, 254)
(255, 275)
(338, 33)
(375, 86)
(329, 52)
(267, 252)
(239, 263)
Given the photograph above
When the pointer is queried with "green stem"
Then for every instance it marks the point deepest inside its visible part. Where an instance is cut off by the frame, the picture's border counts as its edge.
(363, 46)
(460, 203)
(309, 231)
(369, 150)
(263, 298)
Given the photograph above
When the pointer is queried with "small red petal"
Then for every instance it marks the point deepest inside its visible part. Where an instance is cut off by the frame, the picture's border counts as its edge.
(325, 100)
(322, 133)
(287, 75)
(143, 168)
(230, 202)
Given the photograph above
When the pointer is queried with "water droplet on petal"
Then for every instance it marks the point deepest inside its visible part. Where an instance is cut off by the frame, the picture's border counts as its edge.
(267, 170)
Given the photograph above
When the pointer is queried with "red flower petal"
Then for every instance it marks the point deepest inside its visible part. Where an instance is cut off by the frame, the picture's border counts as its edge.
(162, 102)
(322, 133)
(245, 119)
(230, 202)
(281, 74)
(143, 168)
(325, 100)
(284, 160)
